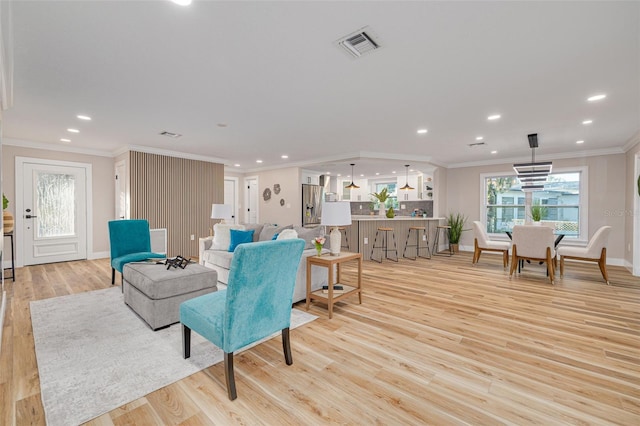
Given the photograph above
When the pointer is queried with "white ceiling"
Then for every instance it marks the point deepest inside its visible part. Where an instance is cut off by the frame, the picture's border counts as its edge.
(271, 71)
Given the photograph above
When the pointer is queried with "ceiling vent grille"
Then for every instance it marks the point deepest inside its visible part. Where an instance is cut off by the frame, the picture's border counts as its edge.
(359, 43)
(476, 144)
(171, 134)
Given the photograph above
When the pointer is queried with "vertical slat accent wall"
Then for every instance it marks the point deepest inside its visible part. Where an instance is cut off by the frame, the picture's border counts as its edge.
(176, 194)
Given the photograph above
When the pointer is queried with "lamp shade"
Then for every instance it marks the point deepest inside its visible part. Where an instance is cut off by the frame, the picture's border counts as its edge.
(337, 213)
(221, 211)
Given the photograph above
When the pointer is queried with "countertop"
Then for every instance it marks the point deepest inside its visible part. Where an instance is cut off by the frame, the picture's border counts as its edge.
(377, 217)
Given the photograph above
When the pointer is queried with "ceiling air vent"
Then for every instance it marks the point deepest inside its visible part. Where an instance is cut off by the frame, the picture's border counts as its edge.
(476, 144)
(171, 134)
(359, 43)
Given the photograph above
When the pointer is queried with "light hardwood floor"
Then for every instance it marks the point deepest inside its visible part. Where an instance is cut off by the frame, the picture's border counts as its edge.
(435, 342)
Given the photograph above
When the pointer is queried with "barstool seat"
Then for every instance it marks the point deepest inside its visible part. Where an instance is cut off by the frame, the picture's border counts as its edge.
(343, 231)
(384, 247)
(417, 230)
(445, 231)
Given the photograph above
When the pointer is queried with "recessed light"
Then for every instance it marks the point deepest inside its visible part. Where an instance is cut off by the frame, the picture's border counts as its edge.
(284, 156)
(236, 165)
(65, 140)
(377, 173)
(393, 171)
(479, 138)
(182, 2)
(579, 141)
(84, 117)
(587, 122)
(258, 161)
(327, 173)
(422, 131)
(73, 130)
(493, 117)
(361, 175)
(338, 175)
(494, 152)
(596, 98)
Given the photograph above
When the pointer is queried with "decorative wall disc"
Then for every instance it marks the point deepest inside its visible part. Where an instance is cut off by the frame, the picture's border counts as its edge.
(266, 194)
(276, 188)
(282, 201)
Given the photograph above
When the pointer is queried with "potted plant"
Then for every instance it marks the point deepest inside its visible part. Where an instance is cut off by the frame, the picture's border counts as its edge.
(538, 212)
(456, 221)
(7, 217)
(382, 198)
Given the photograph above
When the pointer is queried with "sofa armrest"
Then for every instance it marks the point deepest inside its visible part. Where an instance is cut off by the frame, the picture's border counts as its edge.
(203, 244)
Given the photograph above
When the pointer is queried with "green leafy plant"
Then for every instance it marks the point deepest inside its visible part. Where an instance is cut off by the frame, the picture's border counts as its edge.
(456, 221)
(381, 196)
(5, 202)
(538, 211)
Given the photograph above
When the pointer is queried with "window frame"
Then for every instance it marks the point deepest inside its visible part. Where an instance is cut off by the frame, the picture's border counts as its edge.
(583, 236)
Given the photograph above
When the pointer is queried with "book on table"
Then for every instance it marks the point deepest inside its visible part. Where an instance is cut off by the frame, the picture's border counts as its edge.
(337, 289)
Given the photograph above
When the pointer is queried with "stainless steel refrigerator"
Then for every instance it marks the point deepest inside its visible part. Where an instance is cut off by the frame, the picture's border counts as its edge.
(311, 204)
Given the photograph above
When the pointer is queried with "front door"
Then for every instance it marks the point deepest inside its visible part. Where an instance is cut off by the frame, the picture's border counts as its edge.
(54, 212)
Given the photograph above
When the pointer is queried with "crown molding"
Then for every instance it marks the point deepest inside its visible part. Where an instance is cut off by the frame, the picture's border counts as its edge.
(633, 141)
(169, 153)
(55, 147)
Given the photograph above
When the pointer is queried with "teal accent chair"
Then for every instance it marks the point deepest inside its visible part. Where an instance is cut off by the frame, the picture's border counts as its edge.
(256, 303)
(130, 241)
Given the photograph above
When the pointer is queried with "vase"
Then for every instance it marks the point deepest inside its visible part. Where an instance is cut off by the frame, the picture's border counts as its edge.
(382, 211)
(7, 221)
(319, 249)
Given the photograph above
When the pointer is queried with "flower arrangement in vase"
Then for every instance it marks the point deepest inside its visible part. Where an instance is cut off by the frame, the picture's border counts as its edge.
(319, 243)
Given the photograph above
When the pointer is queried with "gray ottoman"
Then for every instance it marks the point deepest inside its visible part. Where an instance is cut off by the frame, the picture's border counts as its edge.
(155, 293)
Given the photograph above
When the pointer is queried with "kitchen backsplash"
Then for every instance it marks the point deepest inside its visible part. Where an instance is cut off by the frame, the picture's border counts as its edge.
(424, 206)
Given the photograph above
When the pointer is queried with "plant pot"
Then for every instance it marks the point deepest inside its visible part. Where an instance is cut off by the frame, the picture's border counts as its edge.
(536, 223)
(455, 248)
(382, 212)
(7, 221)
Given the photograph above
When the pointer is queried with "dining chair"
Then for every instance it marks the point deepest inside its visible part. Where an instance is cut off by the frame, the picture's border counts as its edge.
(129, 241)
(534, 243)
(483, 243)
(595, 251)
(255, 304)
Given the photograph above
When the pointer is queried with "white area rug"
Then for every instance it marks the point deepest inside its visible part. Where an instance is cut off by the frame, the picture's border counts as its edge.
(94, 354)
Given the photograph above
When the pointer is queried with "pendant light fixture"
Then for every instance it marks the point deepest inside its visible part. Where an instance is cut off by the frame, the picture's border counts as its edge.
(352, 185)
(406, 186)
(533, 175)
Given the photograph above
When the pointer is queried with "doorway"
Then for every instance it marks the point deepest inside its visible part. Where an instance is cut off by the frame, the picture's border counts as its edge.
(52, 210)
(122, 205)
(251, 199)
(231, 196)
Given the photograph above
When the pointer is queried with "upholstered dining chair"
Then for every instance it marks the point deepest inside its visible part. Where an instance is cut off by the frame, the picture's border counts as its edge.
(255, 304)
(595, 251)
(536, 243)
(130, 241)
(483, 243)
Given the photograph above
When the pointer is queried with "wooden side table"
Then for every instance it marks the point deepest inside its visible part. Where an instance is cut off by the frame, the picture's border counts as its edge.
(328, 261)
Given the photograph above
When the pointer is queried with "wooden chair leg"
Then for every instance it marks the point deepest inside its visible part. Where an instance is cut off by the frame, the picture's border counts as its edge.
(514, 260)
(561, 266)
(505, 259)
(228, 374)
(286, 346)
(113, 276)
(602, 263)
(186, 341)
(476, 251)
(550, 264)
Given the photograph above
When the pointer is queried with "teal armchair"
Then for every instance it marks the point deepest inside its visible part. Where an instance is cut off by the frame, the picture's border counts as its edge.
(256, 303)
(130, 241)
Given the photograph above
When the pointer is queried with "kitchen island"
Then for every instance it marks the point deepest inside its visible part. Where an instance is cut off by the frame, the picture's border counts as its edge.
(362, 232)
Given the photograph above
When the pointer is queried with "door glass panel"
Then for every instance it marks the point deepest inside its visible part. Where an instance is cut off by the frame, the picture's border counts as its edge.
(55, 204)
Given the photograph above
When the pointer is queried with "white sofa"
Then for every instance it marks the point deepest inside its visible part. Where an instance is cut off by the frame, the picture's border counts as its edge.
(214, 253)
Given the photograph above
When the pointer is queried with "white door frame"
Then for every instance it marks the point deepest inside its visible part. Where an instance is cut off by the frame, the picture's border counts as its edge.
(236, 216)
(122, 177)
(20, 162)
(636, 221)
(247, 194)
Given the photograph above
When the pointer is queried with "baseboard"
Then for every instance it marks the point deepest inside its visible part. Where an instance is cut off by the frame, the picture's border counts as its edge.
(98, 255)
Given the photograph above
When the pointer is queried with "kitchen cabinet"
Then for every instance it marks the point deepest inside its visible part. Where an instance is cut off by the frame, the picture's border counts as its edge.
(310, 178)
(415, 194)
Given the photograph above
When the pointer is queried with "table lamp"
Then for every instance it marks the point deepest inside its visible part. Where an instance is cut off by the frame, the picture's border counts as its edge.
(335, 214)
(221, 211)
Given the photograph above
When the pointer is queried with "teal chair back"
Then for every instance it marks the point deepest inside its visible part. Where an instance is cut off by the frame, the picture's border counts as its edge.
(256, 303)
(130, 241)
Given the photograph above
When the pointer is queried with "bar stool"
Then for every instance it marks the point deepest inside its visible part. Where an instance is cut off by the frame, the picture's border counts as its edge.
(384, 247)
(343, 231)
(445, 231)
(417, 229)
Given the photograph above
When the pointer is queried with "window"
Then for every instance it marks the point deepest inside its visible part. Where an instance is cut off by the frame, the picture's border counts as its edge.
(392, 190)
(564, 199)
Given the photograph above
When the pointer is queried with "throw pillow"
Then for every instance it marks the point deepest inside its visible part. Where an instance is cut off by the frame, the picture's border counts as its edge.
(308, 234)
(240, 237)
(287, 234)
(257, 227)
(268, 230)
(222, 235)
(275, 237)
